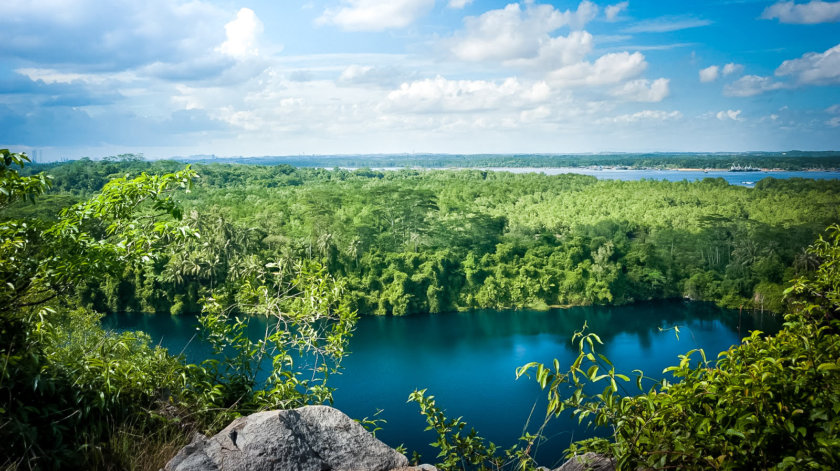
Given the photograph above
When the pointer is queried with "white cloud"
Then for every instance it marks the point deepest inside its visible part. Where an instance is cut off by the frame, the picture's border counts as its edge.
(709, 74)
(586, 12)
(733, 115)
(750, 85)
(379, 76)
(375, 15)
(666, 24)
(608, 69)
(644, 115)
(91, 35)
(612, 11)
(442, 95)
(814, 68)
(804, 13)
(513, 33)
(242, 34)
(458, 4)
(535, 115)
(557, 52)
(643, 90)
(354, 72)
(732, 68)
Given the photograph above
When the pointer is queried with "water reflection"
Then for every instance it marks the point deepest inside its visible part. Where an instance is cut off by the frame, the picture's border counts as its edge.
(467, 360)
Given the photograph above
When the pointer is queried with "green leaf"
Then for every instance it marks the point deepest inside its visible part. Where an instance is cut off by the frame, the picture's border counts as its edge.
(733, 432)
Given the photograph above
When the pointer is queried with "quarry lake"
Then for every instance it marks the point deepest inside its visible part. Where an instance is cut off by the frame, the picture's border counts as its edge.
(467, 361)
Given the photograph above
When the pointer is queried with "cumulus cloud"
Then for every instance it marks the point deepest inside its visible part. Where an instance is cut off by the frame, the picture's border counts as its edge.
(606, 70)
(375, 15)
(804, 13)
(709, 74)
(814, 68)
(732, 68)
(443, 95)
(120, 75)
(458, 4)
(750, 85)
(643, 90)
(242, 35)
(516, 33)
(612, 11)
(120, 35)
(733, 115)
(557, 52)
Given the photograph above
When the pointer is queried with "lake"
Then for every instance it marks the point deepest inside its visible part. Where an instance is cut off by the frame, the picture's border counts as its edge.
(467, 360)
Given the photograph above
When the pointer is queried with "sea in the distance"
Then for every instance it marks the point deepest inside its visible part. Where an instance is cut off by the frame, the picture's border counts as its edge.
(467, 361)
(747, 179)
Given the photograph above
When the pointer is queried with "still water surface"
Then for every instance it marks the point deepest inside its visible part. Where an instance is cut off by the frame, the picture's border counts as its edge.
(467, 360)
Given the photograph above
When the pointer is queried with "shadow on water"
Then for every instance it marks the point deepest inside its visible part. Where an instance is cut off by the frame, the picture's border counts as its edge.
(468, 360)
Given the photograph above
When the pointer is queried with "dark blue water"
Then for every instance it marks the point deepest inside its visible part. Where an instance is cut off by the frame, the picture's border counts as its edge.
(467, 361)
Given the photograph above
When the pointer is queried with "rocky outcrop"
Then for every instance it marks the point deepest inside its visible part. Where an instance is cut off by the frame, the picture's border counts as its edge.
(588, 462)
(311, 438)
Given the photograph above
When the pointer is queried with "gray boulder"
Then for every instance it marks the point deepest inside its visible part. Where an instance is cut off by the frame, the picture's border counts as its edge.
(311, 438)
(588, 462)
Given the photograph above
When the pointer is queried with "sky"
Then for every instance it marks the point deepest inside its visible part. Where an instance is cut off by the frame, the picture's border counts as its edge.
(279, 77)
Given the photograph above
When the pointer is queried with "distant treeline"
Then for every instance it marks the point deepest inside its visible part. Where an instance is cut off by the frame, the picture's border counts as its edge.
(793, 160)
(429, 241)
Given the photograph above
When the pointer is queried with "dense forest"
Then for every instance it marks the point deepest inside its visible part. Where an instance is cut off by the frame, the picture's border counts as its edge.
(264, 241)
(413, 241)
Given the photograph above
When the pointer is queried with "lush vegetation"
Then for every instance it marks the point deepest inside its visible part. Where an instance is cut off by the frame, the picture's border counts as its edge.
(73, 396)
(772, 402)
(306, 246)
(432, 241)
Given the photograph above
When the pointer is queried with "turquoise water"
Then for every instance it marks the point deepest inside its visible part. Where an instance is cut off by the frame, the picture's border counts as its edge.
(467, 361)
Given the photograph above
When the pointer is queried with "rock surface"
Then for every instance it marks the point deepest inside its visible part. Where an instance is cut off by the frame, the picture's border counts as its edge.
(588, 462)
(311, 438)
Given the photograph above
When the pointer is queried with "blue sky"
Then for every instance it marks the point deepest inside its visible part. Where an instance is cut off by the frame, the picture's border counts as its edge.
(279, 77)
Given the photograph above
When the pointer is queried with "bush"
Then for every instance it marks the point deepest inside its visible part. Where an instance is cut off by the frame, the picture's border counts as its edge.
(771, 402)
